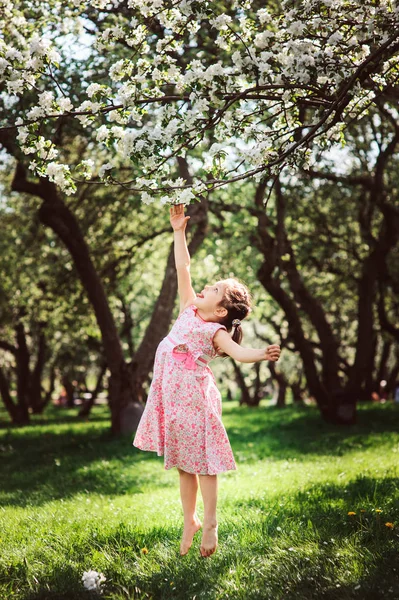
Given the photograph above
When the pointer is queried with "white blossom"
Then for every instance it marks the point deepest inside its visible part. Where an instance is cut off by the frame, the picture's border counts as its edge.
(296, 28)
(213, 71)
(264, 16)
(92, 580)
(65, 104)
(86, 167)
(35, 113)
(334, 38)
(3, 64)
(39, 44)
(14, 54)
(221, 22)
(116, 72)
(23, 134)
(92, 89)
(60, 175)
(46, 100)
(103, 169)
(146, 198)
(87, 105)
(102, 133)
(15, 86)
(262, 40)
(184, 196)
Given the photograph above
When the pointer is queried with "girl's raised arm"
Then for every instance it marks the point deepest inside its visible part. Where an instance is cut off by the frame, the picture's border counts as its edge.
(182, 256)
(223, 342)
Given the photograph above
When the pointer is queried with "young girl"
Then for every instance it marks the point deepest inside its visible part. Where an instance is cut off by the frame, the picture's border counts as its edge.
(182, 417)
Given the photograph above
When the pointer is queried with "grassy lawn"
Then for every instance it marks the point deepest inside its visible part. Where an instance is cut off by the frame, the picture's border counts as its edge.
(72, 499)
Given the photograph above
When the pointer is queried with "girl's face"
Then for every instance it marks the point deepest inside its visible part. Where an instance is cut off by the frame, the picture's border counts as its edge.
(208, 300)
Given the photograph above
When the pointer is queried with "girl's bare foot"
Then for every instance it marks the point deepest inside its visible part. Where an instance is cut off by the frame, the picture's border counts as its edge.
(189, 531)
(209, 540)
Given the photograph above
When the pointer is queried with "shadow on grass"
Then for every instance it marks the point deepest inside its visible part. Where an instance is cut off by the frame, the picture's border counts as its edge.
(40, 464)
(294, 431)
(52, 460)
(304, 547)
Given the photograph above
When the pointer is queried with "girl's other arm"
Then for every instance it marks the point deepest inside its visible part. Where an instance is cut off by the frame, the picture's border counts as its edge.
(182, 256)
(223, 342)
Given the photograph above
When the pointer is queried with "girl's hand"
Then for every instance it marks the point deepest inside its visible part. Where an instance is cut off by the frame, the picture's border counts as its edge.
(272, 352)
(177, 218)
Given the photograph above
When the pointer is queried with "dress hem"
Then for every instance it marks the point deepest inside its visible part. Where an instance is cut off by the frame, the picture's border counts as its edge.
(198, 473)
(167, 468)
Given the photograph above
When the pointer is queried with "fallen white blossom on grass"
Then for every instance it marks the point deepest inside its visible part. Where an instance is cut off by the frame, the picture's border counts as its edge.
(92, 580)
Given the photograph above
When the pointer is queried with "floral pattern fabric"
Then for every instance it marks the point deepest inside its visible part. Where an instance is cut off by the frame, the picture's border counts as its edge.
(182, 417)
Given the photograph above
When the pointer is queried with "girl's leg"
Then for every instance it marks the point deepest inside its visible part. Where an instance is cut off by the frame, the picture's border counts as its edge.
(209, 491)
(188, 495)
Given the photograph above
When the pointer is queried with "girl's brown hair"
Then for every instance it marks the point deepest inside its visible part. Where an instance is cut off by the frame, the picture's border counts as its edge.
(237, 302)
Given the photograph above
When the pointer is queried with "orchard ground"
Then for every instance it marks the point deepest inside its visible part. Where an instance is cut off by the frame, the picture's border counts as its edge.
(312, 511)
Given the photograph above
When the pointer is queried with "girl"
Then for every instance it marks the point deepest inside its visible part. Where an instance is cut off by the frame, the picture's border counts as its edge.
(182, 417)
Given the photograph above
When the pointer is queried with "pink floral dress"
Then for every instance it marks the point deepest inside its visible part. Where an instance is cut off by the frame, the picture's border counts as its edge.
(182, 417)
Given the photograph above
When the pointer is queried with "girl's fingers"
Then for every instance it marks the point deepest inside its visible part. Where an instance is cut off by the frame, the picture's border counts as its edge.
(273, 352)
(176, 210)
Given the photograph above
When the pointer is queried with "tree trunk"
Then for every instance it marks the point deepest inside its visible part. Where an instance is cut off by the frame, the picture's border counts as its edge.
(18, 416)
(245, 397)
(257, 395)
(70, 390)
(297, 393)
(35, 387)
(23, 373)
(48, 394)
(281, 394)
(341, 408)
(282, 385)
(88, 405)
(392, 378)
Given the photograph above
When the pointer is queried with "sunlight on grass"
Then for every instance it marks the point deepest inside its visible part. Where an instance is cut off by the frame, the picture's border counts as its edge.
(73, 499)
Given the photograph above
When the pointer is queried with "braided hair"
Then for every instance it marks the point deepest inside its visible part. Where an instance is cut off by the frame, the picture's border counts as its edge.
(237, 302)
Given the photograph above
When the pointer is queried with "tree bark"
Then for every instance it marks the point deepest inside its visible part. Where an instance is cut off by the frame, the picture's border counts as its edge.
(245, 397)
(35, 387)
(297, 393)
(69, 389)
(48, 394)
(23, 373)
(18, 417)
(372, 267)
(88, 405)
(282, 385)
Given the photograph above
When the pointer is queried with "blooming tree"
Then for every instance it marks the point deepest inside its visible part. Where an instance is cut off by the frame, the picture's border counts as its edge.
(240, 88)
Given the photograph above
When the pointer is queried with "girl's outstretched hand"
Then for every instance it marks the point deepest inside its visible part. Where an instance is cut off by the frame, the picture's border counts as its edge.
(272, 352)
(177, 218)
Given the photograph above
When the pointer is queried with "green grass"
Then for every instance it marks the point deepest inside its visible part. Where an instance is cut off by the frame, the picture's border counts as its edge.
(72, 499)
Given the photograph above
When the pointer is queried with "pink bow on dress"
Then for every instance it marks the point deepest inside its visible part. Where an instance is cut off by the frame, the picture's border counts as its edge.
(187, 358)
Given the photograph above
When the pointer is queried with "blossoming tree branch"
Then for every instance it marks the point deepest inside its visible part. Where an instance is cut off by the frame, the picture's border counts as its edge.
(113, 92)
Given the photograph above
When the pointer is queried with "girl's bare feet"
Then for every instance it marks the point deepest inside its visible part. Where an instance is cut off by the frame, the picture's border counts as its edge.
(209, 540)
(189, 531)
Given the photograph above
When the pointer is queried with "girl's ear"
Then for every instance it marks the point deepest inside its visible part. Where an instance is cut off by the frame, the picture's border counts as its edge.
(221, 312)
